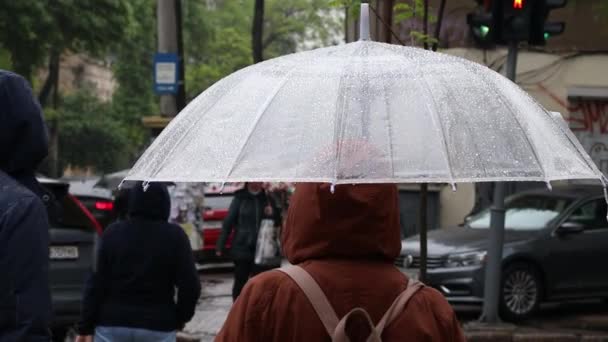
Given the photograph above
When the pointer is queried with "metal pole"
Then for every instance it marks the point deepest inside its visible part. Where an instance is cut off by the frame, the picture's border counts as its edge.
(180, 100)
(422, 226)
(167, 42)
(497, 230)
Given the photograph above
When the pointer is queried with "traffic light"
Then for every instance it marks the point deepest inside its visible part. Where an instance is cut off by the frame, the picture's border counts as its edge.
(504, 21)
(514, 19)
(540, 29)
(481, 24)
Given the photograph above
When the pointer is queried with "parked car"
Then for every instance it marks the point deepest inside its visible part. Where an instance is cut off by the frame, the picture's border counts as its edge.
(214, 213)
(71, 252)
(555, 245)
(99, 201)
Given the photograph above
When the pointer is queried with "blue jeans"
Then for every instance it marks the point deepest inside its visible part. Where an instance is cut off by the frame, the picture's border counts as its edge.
(123, 334)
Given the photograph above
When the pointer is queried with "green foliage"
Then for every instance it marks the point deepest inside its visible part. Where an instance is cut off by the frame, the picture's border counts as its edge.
(30, 29)
(217, 39)
(353, 6)
(405, 11)
(420, 37)
(5, 59)
(89, 134)
(133, 57)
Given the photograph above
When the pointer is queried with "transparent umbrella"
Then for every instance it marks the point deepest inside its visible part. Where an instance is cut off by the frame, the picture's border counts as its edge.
(364, 112)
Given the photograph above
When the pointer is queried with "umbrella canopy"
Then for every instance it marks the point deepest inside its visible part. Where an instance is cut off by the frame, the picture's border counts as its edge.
(364, 112)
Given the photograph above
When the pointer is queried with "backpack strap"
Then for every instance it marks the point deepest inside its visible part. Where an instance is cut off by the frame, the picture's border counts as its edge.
(315, 295)
(399, 304)
(337, 328)
(340, 335)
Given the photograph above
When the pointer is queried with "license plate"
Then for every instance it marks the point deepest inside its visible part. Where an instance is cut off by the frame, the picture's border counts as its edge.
(63, 252)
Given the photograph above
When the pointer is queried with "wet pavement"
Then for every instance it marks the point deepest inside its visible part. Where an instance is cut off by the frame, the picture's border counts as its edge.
(576, 320)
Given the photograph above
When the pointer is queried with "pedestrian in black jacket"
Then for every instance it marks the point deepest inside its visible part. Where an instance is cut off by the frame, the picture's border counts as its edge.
(249, 206)
(141, 262)
(25, 303)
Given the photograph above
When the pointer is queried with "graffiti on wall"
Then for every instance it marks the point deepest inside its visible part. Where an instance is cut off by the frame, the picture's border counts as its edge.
(588, 120)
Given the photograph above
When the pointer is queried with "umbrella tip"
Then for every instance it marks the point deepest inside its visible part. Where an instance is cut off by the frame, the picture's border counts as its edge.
(364, 22)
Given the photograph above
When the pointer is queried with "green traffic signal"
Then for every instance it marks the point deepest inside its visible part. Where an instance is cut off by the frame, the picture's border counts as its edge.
(547, 35)
(484, 30)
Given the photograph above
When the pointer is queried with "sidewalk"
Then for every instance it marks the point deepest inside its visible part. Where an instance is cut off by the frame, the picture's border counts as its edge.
(575, 328)
(212, 309)
(216, 301)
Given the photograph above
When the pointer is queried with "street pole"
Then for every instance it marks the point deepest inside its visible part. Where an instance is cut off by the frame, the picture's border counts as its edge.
(497, 230)
(167, 43)
(423, 228)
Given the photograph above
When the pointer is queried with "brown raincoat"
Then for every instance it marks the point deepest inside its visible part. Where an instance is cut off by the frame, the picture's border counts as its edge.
(347, 241)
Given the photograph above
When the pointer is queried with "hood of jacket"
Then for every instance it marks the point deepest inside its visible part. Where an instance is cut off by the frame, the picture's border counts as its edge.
(355, 222)
(153, 203)
(23, 134)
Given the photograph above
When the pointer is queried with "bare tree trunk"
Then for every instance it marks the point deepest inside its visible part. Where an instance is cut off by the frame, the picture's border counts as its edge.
(181, 90)
(50, 90)
(257, 32)
(438, 25)
(425, 24)
(52, 79)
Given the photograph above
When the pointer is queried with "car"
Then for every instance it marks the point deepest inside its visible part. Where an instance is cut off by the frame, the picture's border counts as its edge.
(73, 233)
(554, 247)
(98, 200)
(214, 213)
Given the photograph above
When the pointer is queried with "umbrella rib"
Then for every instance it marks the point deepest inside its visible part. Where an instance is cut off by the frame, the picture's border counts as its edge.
(577, 146)
(196, 121)
(507, 104)
(435, 120)
(259, 114)
(390, 129)
(338, 124)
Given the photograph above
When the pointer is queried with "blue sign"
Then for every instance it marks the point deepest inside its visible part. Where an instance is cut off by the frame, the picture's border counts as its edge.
(166, 72)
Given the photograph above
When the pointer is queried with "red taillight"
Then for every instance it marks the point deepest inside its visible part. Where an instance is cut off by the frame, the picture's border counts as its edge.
(518, 4)
(104, 205)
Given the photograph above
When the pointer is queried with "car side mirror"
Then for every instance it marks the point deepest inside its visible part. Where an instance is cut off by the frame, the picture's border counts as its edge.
(570, 228)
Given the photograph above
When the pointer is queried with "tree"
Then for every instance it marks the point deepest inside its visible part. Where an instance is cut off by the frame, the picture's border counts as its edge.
(257, 32)
(218, 38)
(31, 30)
(132, 57)
(89, 134)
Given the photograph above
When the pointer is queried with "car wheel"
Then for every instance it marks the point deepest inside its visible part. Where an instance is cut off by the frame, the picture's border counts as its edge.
(520, 291)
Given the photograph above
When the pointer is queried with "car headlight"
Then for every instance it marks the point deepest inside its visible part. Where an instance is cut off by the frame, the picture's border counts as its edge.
(466, 259)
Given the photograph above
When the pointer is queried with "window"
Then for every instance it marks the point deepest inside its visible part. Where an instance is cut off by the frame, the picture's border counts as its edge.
(591, 214)
(530, 212)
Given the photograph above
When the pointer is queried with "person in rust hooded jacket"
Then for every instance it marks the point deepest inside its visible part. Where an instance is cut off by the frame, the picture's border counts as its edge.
(347, 241)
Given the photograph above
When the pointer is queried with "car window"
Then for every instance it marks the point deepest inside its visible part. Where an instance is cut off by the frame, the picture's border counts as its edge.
(592, 215)
(218, 202)
(67, 214)
(532, 212)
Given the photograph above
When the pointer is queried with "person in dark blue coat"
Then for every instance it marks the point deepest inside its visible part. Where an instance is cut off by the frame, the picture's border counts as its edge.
(25, 302)
(141, 263)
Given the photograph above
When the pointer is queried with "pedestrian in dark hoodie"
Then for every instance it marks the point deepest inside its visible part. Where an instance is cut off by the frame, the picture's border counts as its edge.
(25, 303)
(249, 206)
(140, 264)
